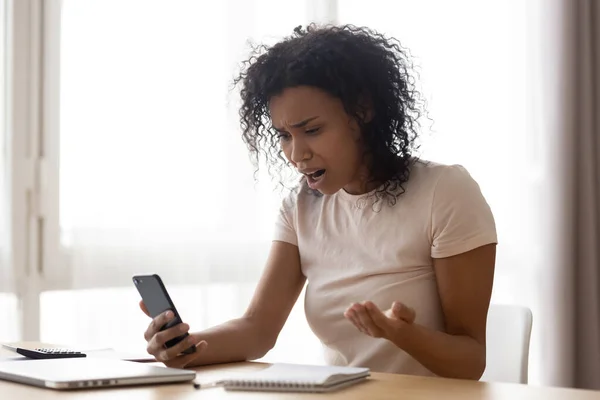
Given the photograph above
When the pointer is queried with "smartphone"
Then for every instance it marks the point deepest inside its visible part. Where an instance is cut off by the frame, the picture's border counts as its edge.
(157, 300)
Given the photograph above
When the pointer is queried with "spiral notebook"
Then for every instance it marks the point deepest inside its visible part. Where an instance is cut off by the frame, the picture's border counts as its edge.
(297, 378)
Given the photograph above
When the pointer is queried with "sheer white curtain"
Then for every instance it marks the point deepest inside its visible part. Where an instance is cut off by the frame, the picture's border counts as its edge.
(481, 72)
(154, 176)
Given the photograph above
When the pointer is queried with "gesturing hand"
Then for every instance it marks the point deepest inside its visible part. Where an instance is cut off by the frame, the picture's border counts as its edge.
(370, 320)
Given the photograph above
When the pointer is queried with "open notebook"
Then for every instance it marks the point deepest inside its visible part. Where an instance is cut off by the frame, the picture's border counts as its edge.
(297, 378)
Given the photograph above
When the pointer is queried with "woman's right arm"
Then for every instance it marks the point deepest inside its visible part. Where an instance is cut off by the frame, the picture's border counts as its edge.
(246, 338)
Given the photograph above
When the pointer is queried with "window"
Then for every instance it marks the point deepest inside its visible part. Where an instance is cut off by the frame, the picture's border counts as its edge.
(154, 176)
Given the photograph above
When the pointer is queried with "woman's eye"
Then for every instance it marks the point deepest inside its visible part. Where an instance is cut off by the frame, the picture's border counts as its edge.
(283, 136)
(312, 131)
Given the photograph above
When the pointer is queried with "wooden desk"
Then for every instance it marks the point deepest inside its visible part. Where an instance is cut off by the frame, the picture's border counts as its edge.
(378, 386)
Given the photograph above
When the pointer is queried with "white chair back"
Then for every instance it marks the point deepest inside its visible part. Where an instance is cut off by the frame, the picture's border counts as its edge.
(508, 336)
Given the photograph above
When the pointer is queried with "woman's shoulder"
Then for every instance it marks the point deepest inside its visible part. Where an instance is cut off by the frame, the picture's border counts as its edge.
(439, 181)
(430, 173)
(429, 169)
(448, 186)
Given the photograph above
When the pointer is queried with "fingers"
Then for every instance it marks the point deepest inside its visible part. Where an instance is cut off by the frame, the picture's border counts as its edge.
(173, 352)
(378, 317)
(143, 308)
(184, 360)
(360, 314)
(158, 323)
(377, 323)
(370, 320)
(350, 314)
(157, 343)
(172, 356)
(403, 312)
(164, 336)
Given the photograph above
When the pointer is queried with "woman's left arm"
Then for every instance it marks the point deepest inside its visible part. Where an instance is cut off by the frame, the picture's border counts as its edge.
(465, 286)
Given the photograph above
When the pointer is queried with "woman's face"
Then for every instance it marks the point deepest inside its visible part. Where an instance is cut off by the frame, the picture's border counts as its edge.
(320, 139)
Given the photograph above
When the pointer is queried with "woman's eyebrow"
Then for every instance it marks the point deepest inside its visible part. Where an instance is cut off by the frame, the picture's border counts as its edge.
(298, 124)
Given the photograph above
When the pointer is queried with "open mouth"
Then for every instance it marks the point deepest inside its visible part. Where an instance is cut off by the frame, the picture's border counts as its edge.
(317, 174)
(314, 178)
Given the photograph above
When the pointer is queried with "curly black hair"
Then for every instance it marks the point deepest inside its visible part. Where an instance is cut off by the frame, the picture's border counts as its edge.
(355, 64)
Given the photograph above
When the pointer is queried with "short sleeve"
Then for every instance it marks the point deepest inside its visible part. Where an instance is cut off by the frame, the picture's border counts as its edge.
(284, 223)
(461, 219)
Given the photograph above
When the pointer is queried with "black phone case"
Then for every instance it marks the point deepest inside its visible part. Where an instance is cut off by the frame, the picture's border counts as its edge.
(141, 283)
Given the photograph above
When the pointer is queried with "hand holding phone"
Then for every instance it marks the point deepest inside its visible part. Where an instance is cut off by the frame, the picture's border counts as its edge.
(167, 336)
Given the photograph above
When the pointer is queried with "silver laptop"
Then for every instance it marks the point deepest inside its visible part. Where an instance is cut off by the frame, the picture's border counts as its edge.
(78, 373)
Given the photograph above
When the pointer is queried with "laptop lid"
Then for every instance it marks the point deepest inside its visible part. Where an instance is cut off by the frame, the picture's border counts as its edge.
(76, 373)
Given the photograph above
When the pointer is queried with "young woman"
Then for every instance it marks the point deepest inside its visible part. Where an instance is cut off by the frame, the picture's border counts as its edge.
(398, 252)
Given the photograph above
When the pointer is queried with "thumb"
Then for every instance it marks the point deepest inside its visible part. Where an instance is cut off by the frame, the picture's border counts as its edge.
(403, 312)
(143, 308)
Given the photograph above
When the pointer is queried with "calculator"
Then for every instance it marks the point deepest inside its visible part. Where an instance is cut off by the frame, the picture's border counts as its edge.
(45, 353)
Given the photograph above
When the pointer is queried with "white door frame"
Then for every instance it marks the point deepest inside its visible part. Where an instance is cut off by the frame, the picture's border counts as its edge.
(32, 129)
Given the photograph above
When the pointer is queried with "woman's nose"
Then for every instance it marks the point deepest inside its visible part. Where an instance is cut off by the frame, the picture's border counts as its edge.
(300, 152)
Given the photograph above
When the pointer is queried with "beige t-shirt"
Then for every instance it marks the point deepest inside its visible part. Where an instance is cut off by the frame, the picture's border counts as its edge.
(351, 253)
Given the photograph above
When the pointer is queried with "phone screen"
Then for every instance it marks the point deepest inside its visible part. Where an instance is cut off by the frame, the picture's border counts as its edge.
(152, 293)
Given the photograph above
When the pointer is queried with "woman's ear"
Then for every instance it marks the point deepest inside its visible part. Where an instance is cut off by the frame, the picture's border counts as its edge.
(365, 109)
(364, 113)
(369, 115)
